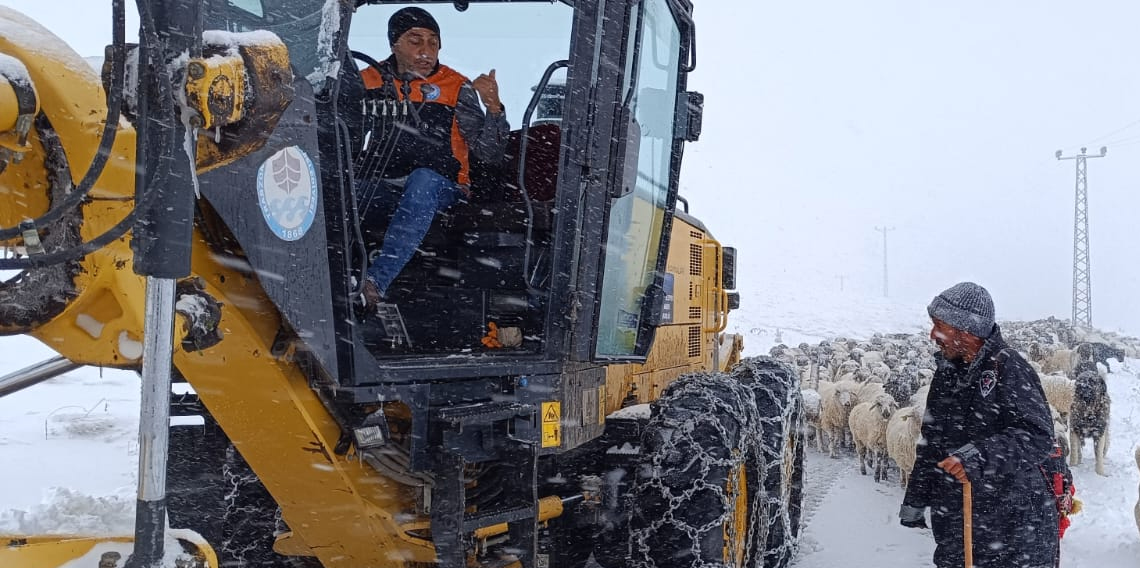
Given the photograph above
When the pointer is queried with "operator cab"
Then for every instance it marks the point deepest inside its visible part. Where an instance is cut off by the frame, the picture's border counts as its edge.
(559, 253)
(479, 282)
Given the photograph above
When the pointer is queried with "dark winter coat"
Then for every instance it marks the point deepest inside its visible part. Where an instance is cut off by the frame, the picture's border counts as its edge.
(447, 127)
(992, 414)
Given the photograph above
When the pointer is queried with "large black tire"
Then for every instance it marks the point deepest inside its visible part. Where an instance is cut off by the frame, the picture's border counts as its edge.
(776, 388)
(598, 528)
(695, 502)
(571, 541)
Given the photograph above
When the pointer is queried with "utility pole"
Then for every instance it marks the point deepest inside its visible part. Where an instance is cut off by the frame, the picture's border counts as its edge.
(884, 230)
(840, 278)
(1082, 283)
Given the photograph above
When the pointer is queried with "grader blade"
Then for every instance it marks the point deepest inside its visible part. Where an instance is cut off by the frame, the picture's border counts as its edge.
(53, 551)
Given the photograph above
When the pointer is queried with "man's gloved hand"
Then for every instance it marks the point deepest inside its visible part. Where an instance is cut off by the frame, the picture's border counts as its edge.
(953, 465)
(912, 517)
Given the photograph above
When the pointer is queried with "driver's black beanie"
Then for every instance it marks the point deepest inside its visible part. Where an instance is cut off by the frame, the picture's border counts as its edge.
(408, 18)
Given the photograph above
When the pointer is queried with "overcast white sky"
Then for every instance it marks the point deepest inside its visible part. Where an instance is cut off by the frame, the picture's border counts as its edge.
(825, 119)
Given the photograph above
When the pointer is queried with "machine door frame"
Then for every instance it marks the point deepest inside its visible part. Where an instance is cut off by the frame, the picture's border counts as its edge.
(621, 175)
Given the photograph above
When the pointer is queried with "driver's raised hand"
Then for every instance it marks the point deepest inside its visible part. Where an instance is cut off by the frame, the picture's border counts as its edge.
(488, 89)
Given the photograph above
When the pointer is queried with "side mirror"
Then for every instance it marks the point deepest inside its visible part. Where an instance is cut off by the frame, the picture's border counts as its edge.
(728, 268)
(690, 115)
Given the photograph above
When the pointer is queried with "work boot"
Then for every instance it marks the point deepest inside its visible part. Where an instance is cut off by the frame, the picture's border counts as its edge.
(371, 295)
(388, 314)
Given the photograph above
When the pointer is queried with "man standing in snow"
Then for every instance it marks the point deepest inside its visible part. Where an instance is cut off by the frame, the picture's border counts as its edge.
(986, 423)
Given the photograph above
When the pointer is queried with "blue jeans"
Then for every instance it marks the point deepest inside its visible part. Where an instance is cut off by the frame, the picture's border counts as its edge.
(425, 193)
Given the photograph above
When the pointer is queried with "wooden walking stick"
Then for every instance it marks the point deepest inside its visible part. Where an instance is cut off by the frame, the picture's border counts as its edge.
(968, 523)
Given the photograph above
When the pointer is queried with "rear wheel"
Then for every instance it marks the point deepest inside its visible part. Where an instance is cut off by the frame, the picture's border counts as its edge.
(695, 501)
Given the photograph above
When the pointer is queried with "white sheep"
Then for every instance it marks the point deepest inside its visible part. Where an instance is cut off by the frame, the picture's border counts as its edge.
(839, 356)
(919, 396)
(1060, 430)
(812, 410)
(1137, 510)
(845, 368)
(903, 431)
(880, 372)
(806, 372)
(1060, 361)
(868, 392)
(868, 423)
(837, 401)
(925, 376)
(871, 358)
(1059, 392)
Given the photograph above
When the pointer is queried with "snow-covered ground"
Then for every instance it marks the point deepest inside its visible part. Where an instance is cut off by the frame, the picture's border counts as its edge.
(69, 452)
(69, 448)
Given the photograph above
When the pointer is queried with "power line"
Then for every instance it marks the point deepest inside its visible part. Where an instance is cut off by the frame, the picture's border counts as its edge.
(1126, 139)
(1082, 281)
(1121, 129)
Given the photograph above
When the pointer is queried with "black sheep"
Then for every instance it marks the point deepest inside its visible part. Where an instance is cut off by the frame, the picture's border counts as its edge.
(1101, 352)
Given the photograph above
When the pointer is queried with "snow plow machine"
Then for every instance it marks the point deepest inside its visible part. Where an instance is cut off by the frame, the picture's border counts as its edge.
(548, 383)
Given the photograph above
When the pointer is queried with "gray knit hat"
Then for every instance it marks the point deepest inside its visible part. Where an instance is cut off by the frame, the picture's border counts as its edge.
(965, 306)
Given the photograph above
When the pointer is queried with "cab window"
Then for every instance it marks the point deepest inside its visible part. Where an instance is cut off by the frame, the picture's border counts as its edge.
(636, 223)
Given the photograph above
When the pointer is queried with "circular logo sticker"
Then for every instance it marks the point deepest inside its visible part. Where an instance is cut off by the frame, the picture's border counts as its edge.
(431, 91)
(287, 193)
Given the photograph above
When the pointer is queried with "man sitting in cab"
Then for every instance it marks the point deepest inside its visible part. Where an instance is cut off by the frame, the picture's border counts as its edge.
(425, 125)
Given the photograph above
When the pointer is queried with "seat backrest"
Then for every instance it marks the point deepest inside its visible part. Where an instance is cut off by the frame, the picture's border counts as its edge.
(544, 141)
(495, 184)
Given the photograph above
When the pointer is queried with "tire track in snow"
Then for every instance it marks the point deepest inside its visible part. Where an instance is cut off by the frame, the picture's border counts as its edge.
(820, 476)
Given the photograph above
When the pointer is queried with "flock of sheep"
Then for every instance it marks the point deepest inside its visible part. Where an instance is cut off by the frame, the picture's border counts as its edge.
(873, 393)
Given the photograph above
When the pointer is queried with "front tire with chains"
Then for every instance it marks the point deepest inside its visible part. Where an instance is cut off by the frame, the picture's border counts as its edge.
(693, 501)
(777, 390)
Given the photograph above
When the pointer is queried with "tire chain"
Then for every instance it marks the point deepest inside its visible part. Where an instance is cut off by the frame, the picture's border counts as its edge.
(695, 406)
(775, 387)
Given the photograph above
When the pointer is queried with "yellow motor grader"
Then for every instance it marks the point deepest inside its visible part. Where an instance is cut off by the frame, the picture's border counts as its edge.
(550, 385)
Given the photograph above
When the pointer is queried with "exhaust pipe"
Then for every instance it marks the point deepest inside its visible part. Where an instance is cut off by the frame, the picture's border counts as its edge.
(35, 374)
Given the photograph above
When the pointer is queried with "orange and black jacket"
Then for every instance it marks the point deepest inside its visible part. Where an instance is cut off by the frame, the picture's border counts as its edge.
(442, 129)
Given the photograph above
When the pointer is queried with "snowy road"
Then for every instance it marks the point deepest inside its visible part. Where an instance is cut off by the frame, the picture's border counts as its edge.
(848, 515)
